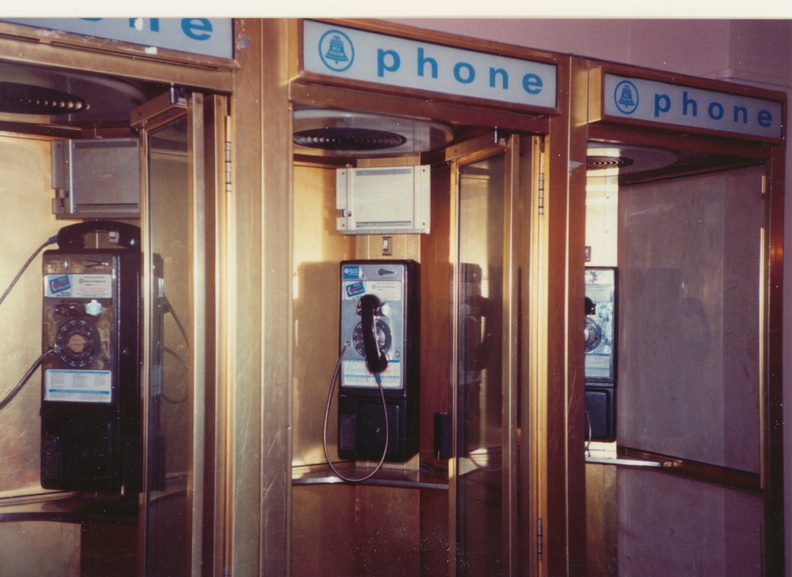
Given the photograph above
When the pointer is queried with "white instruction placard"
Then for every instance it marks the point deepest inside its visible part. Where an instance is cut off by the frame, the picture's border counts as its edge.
(355, 374)
(78, 386)
(599, 366)
(390, 291)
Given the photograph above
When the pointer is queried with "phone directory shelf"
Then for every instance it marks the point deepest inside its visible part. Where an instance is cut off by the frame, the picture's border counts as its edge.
(424, 478)
(69, 507)
(598, 453)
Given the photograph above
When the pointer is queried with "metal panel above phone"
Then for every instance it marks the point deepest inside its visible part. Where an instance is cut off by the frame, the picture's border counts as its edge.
(383, 200)
(96, 178)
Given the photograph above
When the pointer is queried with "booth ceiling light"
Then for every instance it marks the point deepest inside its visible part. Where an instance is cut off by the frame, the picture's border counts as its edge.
(77, 98)
(628, 159)
(345, 133)
(26, 99)
(337, 138)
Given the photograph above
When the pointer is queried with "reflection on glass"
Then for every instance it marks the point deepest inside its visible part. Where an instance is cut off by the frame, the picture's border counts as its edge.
(171, 417)
(479, 374)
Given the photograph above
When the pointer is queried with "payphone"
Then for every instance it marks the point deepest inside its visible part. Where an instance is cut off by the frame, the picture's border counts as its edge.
(91, 324)
(600, 353)
(380, 368)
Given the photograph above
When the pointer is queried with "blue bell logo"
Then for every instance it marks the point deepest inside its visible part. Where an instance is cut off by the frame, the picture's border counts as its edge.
(336, 50)
(626, 97)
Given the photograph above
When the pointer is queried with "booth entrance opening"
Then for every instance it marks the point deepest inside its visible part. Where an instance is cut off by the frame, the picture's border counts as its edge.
(438, 506)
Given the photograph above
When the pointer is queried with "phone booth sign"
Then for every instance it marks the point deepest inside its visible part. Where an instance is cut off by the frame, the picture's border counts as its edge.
(631, 99)
(205, 36)
(404, 63)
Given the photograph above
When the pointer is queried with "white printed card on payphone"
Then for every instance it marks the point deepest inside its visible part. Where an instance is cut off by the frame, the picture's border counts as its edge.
(380, 322)
(600, 352)
(91, 323)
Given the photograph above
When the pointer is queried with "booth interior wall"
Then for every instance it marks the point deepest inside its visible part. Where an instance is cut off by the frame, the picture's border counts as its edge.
(26, 221)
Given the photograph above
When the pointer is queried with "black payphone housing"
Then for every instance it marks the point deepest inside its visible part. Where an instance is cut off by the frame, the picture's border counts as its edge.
(600, 352)
(91, 400)
(380, 320)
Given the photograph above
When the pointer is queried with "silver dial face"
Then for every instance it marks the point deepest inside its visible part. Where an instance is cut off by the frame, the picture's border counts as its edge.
(78, 343)
(592, 335)
(384, 339)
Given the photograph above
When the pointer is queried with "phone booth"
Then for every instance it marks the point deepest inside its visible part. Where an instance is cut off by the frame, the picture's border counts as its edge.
(421, 217)
(109, 139)
(682, 347)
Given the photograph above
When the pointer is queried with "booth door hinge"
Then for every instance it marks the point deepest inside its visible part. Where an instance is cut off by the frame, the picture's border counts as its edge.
(539, 539)
(228, 167)
(540, 185)
(227, 160)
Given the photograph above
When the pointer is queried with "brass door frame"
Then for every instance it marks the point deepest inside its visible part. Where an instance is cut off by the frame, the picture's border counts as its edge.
(156, 114)
(258, 360)
(522, 416)
(217, 142)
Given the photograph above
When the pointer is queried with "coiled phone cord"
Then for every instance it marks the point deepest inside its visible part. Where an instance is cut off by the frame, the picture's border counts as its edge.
(327, 418)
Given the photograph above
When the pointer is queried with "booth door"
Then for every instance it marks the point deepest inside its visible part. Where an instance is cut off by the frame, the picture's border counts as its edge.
(691, 376)
(177, 133)
(490, 480)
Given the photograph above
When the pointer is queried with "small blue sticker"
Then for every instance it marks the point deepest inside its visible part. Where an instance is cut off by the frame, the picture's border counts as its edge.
(59, 284)
(351, 271)
(355, 289)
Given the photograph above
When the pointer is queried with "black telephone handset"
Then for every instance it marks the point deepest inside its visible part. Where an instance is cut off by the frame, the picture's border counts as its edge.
(369, 306)
(72, 237)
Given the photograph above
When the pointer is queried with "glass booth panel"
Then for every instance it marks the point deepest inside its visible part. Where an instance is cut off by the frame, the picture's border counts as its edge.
(479, 367)
(170, 458)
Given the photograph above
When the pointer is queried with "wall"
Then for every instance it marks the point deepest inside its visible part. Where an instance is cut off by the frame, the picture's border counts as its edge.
(693, 47)
(755, 52)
